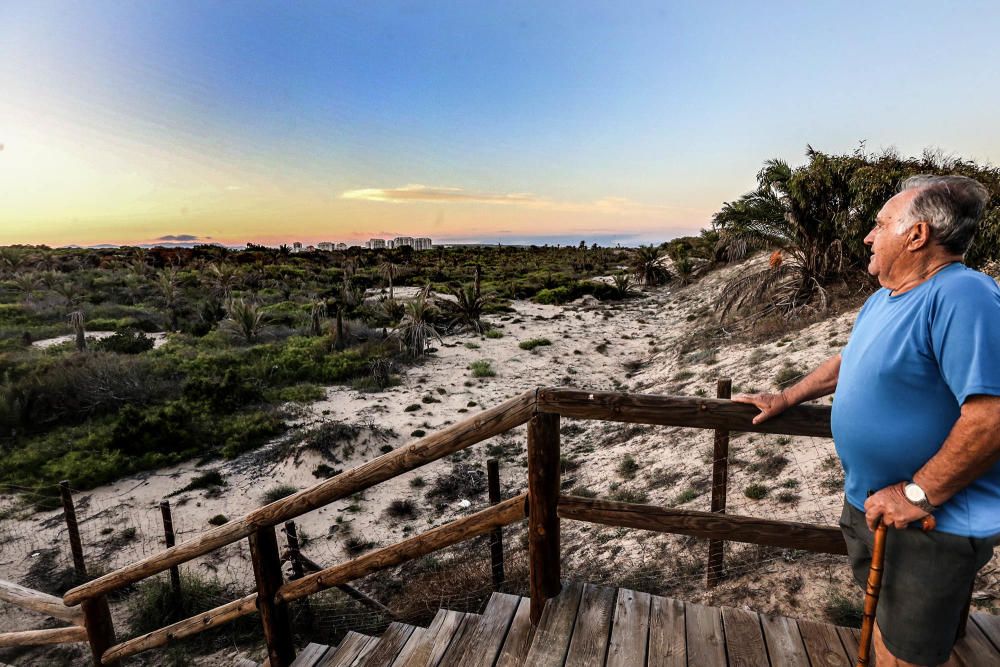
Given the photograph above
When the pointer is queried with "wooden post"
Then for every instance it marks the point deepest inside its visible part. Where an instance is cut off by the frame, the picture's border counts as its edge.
(720, 482)
(496, 537)
(100, 629)
(273, 615)
(168, 538)
(292, 536)
(75, 545)
(543, 517)
(298, 571)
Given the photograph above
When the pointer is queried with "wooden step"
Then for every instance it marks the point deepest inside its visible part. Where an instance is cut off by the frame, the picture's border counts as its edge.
(518, 642)
(459, 640)
(552, 636)
(485, 640)
(354, 648)
(310, 655)
(392, 642)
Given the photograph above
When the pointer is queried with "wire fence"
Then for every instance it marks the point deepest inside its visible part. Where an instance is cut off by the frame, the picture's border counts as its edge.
(775, 477)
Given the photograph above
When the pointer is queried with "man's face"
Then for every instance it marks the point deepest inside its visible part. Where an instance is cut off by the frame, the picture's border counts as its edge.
(888, 245)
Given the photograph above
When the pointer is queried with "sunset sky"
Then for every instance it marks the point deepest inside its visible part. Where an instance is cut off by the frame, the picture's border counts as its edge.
(228, 122)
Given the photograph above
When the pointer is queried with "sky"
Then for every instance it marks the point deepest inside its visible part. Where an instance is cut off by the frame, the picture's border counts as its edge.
(512, 122)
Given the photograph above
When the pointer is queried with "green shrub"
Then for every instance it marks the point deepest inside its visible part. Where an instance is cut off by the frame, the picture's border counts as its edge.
(626, 495)
(482, 369)
(418, 433)
(628, 467)
(207, 480)
(494, 333)
(755, 491)
(787, 376)
(532, 343)
(402, 509)
(278, 492)
(126, 341)
(218, 520)
(685, 496)
(412, 407)
(583, 492)
(843, 610)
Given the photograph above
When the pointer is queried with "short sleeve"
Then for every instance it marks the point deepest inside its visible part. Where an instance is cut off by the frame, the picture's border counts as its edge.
(965, 335)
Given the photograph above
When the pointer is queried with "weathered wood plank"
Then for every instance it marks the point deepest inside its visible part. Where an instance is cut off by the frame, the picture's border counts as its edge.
(43, 603)
(990, 625)
(310, 655)
(519, 635)
(667, 643)
(389, 646)
(788, 534)
(706, 644)
(366, 648)
(477, 428)
(543, 516)
(552, 636)
(784, 642)
(189, 626)
(480, 523)
(629, 629)
(589, 645)
(823, 645)
(67, 635)
(460, 639)
(712, 413)
(439, 636)
(347, 651)
(975, 649)
(487, 638)
(850, 638)
(410, 647)
(744, 639)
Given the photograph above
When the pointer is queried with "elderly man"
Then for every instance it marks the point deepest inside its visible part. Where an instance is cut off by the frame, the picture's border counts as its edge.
(916, 418)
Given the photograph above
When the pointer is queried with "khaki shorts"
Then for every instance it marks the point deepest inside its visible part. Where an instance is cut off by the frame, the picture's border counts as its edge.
(926, 583)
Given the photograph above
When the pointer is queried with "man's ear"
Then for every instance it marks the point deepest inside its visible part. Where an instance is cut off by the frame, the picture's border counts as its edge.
(918, 236)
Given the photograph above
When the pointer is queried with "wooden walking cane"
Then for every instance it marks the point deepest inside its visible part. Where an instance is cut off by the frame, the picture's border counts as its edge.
(874, 585)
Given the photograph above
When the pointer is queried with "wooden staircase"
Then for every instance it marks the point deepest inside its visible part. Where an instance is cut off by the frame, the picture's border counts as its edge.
(596, 626)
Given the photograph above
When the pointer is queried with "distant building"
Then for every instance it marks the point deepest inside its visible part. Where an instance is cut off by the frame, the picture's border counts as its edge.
(341, 246)
(422, 243)
(325, 246)
(376, 243)
(310, 248)
(296, 247)
(400, 241)
(391, 243)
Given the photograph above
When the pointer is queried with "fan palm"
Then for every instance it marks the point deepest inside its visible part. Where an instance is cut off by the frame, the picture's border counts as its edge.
(245, 318)
(647, 266)
(466, 311)
(416, 327)
(388, 270)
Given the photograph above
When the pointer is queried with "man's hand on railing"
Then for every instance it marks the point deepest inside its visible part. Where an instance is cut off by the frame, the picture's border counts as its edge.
(770, 405)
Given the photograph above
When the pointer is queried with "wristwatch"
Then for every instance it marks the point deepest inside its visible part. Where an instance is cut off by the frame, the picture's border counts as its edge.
(917, 497)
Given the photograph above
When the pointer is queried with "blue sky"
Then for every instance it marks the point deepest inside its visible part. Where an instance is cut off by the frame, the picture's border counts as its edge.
(124, 122)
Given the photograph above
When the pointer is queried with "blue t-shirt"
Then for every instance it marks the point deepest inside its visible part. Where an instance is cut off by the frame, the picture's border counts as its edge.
(910, 363)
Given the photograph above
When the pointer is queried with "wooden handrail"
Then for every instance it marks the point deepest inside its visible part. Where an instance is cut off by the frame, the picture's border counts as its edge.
(189, 626)
(43, 603)
(788, 534)
(447, 535)
(456, 531)
(68, 635)
(811, 420)
(486, 424)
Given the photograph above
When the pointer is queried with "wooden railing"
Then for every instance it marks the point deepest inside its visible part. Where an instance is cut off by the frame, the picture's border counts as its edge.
(542, 505)
(43, 603)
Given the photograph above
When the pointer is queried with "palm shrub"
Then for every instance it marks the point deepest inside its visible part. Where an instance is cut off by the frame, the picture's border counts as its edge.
(245, 318)
(647, 266)
(168, 285)
(466, 311)
(388, 270)
(622, 283)
(416, 326)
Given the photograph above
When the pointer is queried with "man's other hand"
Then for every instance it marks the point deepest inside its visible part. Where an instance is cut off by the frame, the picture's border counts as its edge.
(892, 506)
(770, 405)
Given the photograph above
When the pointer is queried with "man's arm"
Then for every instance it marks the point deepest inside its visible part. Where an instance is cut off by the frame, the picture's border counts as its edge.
(821, 382)
(972, 448)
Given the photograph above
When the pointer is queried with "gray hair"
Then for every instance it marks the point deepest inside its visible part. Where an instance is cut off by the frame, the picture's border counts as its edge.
(951, 205)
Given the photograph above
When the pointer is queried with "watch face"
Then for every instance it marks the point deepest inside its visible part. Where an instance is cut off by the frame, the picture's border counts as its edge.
(914, 493)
